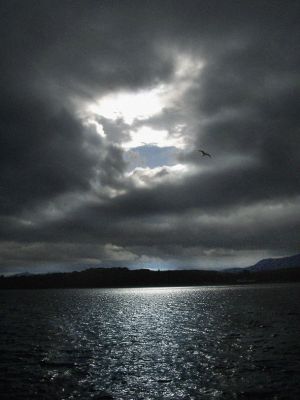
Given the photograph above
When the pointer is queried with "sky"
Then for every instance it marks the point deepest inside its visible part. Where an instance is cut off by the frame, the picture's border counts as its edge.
(104, 105)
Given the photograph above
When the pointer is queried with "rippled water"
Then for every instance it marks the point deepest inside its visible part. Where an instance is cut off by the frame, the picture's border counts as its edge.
(166, 343)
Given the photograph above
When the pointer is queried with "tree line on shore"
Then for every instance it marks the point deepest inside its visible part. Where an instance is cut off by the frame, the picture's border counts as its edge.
(124, 277)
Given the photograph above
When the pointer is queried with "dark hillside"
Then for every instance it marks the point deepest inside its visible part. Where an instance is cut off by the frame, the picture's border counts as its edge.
(123, 277)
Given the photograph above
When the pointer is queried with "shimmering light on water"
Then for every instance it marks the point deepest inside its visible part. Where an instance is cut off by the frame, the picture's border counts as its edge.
(151, 343)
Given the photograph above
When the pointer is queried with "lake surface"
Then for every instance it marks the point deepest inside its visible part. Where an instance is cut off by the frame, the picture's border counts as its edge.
(151, 343)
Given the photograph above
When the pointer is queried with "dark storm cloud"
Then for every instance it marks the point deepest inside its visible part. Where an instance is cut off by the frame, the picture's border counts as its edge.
(51, 51)
(243, 106)
(42, 155)
(81, 47)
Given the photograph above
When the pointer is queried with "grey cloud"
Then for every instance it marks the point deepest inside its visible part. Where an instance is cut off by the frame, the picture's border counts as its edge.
(42, 155)
(117, 130)
(244, 106)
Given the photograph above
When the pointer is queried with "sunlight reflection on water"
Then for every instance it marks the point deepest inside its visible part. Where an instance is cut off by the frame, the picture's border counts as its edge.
(151, 343)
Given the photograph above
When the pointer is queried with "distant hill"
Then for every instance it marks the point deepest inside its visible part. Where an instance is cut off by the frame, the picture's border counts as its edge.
(123, 277)
(270, 264)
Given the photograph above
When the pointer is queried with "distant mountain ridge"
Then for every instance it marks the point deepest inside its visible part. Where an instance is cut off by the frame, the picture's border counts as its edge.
(265, 271)
(269, 264)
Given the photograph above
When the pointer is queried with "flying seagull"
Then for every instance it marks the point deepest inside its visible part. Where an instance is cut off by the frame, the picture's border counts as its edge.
(204, 153)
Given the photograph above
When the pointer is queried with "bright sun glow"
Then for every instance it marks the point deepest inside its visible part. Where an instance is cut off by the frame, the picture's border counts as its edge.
(144, 104)
(148, 136)
(130, 106)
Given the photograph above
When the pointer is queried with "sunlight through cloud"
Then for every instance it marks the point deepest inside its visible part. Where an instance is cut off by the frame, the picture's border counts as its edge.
(136, 108)
(130, 106)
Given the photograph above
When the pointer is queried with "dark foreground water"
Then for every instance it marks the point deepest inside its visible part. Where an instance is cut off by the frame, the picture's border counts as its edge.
(166, 343)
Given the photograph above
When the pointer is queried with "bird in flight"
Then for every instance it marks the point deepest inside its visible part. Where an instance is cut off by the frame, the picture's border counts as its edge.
(204, 153)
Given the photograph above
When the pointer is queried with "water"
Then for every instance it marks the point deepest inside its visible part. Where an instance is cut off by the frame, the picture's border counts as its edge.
(167, 343)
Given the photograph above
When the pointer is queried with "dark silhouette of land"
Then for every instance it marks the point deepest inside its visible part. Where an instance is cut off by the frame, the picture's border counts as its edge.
(123, 277)
(269, 264)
